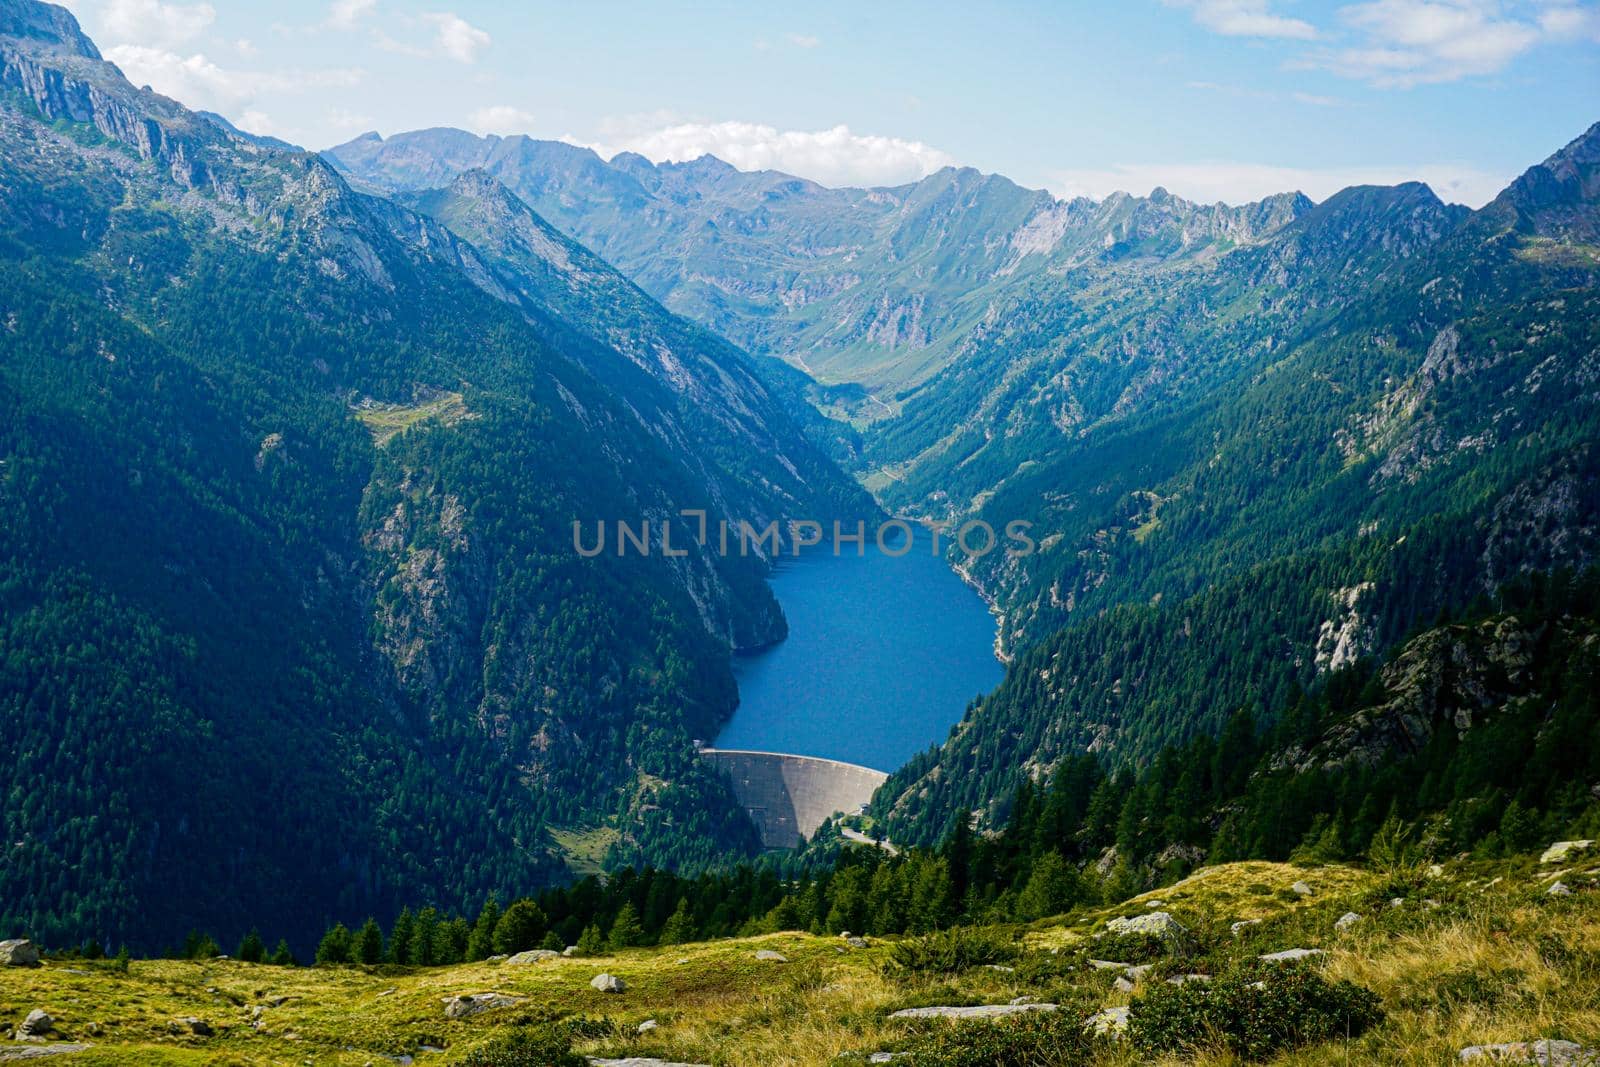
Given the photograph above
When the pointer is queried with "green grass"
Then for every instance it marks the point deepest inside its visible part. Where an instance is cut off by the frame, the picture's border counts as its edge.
(1500, 963)
(386, 420)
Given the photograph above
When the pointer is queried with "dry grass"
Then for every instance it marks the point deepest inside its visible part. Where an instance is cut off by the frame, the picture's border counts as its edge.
(1499, 964)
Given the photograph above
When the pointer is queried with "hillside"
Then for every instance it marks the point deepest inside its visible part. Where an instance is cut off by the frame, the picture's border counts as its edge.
(292, 616)
(1467, 955)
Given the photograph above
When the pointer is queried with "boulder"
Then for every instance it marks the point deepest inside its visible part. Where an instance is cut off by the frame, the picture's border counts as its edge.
(1346, 921)
(1562, 851)
(18, 953)
(1302, 889)
(1122, 985)
(1242, 923)
(1156, 923)
(646, 1026)
(856, 942)
(978, 1011)
(1136, 973)
(532, 956)
(1185, 979)
(639, 1061)
(1018, 1001)
(1397, 902)
(769, 956)
(40, 1052)
(1109, 965)
(1543, 1053)
(1290, 955)
(1112, 1022)
(464, 1007)
(608, 983)
(38, 1024)
(886, 1057)
(1559, 889)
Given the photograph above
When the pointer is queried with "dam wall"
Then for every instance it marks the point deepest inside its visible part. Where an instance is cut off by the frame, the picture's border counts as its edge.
(792, 796)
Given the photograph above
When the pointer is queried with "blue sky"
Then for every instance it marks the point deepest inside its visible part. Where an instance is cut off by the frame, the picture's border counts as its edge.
(1215, 99)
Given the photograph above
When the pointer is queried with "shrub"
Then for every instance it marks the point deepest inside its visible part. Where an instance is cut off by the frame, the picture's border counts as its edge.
(1055, 1038)
(541, 1046)
(951, 951)
(1129, 948)
(1253, 1012)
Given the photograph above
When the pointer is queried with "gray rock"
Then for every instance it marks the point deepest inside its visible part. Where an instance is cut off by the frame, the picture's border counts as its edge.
(608, 983)
(1185, 979)
(1122, 985)
(639, 1061)
(1157, 923)
(497, 958)
(1562, 851)
(1289, 955)
(770, 956)
(1112, 1022)
(1242, 923)
(1543, 1053)
(1397, 902)
(856, 942)
(1109, 965)
(1024, 1000)
(37, 1024)
(1002, 968)
(570, 950)
(1346, 921)
(19, 953)
(1302, 889)
(39, 1052)
(197, 1027)
(532, 956)
(885, 1057)
(647, 1026)
(465, 1007)
(979, 1011)
(1559, 889)
(1136, 973)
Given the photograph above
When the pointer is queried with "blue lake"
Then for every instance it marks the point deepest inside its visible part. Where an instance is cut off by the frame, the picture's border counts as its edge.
(883, 655)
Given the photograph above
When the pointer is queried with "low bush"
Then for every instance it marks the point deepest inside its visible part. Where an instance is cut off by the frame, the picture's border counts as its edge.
(951, 951)
(1130, 948)
(1055, 1038)
(1253, 1012)
(535, 1046)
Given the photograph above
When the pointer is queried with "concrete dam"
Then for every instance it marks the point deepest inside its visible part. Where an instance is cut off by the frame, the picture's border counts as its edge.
(792, 796)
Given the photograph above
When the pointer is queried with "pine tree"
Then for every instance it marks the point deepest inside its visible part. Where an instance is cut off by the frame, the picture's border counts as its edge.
(367, 946)
(252, 949)
(400, 937)
(520, 928)
(281, 956)
(680, 926)
(480, 946)
(590, 943)
(422, 938)
(552, 941)
(335, 945)
(1052, 888)
(625, 929)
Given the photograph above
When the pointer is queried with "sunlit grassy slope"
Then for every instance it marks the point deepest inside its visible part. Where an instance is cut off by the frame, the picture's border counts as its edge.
(1476, 953)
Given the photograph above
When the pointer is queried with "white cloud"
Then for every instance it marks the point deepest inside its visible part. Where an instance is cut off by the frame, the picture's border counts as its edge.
(804, 40)
(833, 157)
(1237, 183)
(1405, 43)
(340, 119)
(198, 82)
(1245, 18)
(150, 22)
(346, 14)
(456, 37)
(502, 119)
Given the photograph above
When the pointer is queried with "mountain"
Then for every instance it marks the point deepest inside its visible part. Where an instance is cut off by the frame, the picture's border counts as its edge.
(1255, 444)
(294, 619)
(874, 288)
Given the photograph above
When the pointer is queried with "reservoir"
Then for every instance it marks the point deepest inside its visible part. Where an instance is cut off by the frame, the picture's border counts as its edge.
(884, 653)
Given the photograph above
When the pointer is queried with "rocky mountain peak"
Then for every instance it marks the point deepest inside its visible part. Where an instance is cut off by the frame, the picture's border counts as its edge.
(1557, 198)
(46, 25)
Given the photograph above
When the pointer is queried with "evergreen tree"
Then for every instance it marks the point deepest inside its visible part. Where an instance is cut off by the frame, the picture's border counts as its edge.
(335, 945)
(552, 941)
(590, 942)
(626, 932)
(480, 946)
(281, 956)
(679, 927)
(400, 937)
(520, 928)
(367, 945)
(1052, 888)
(252, 949)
